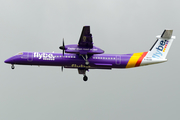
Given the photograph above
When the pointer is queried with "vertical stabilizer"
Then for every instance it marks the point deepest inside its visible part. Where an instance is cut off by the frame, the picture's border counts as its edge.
(161, 47)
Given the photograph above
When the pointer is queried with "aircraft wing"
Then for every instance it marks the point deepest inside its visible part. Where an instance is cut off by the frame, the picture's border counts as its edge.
(86, 38)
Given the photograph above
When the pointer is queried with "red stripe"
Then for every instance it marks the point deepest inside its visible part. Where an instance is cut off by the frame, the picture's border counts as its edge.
(140, 59)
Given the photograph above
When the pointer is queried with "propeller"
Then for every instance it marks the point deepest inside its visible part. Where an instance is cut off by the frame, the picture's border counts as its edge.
(62, 47)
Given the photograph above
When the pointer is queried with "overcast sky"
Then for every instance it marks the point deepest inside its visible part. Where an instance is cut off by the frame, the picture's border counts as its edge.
(118, 26)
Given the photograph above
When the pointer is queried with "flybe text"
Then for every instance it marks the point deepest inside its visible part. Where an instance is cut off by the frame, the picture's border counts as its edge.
(160, 49)
(44, 56)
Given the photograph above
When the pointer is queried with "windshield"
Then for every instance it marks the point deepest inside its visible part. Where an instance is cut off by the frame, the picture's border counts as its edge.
(20, 53)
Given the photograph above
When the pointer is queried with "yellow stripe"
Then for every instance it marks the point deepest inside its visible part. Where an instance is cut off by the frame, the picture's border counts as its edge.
(133, 60)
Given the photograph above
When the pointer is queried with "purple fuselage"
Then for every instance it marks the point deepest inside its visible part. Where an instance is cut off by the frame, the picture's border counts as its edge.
(96, 61)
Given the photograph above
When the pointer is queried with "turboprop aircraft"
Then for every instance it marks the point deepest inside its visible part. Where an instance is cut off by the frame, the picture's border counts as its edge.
(84, 55)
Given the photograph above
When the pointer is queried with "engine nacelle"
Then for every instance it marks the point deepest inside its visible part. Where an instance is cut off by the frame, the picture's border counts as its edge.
(82, 50)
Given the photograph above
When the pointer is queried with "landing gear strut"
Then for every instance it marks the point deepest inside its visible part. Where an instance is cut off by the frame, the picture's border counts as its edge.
(83, 72)
(12, 67)
(85, 59)
(85, 78)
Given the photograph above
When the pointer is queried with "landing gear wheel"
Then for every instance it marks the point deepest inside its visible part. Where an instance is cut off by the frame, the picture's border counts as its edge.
(86, 63)
(85, 78)
(12, 67)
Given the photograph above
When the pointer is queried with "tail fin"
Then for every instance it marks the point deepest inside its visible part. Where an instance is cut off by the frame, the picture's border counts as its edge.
(161, 47)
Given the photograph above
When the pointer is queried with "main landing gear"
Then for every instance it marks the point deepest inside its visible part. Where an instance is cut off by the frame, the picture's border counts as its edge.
(12, 67)
(85, 57)
(83, 71)
(87, 63)
(85, 78)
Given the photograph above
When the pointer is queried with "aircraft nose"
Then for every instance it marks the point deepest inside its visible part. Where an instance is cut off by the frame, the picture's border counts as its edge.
(8, 60)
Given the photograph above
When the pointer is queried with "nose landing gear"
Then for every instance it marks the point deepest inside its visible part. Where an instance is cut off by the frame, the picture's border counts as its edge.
(12, 67)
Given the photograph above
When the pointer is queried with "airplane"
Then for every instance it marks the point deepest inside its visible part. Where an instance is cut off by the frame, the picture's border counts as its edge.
(84, 55)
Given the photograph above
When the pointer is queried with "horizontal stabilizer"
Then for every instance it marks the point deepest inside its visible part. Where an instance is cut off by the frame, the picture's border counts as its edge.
(167, 34)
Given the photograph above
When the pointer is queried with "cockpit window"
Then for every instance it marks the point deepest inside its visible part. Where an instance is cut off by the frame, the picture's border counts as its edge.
(20, 53)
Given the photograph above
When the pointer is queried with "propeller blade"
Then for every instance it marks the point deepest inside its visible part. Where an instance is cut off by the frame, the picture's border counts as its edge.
(62, 47)
(63, 42)
(62, 68)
